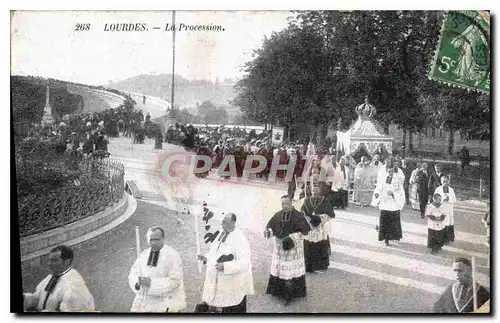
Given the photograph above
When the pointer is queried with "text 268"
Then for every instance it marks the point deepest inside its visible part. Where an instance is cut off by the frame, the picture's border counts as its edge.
(82, 27)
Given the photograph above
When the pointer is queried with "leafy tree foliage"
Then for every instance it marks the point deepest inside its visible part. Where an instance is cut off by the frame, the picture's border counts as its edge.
(211, 114)
(326, 62)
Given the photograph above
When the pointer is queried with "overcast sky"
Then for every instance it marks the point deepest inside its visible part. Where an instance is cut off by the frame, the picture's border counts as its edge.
(44, 43)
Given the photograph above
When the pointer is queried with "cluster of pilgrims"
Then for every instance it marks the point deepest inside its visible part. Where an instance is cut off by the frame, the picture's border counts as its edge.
(242, 149)
(360, 177)
(88, 133)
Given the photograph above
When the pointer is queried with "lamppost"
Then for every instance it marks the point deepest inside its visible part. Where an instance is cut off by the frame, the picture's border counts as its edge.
(173, 62)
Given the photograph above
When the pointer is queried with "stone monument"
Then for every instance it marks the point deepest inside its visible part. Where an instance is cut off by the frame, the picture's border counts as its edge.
(47, 119)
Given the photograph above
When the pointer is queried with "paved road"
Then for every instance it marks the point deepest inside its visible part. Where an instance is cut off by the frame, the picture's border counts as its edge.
(364, 275)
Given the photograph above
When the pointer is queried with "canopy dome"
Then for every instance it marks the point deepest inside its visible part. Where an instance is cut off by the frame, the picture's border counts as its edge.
(363, 132)
(365, 110)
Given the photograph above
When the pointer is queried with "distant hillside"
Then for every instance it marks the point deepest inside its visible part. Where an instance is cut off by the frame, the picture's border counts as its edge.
(187, 93)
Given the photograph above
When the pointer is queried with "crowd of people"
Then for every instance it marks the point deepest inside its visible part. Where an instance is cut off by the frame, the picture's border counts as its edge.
(195, 137)
(88, 134)
(357, 178)
(300, 237)
(300, 243)
(354, 179)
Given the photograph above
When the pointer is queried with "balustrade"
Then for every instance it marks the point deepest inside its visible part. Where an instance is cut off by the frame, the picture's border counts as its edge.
(100, 185)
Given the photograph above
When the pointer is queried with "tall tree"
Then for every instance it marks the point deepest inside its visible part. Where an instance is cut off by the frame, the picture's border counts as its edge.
(284, 81)
(209, 113)
(326, 62)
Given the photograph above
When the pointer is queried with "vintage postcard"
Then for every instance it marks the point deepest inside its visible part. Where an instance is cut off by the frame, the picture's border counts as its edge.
(251, 161)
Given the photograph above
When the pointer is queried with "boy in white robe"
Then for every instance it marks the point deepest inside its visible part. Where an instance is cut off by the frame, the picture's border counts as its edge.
(156, 277)
(436, 212)
(228, 278)
(449, 198)
(64, 290)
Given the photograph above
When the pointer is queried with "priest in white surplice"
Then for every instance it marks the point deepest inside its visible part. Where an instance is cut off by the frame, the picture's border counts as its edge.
(389, 196)
(398, 172)
(228, 278)
(64, 290)
(156, 277)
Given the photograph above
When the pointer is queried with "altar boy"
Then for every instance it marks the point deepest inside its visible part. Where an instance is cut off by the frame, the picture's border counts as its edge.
(449, 198)
(436, 213)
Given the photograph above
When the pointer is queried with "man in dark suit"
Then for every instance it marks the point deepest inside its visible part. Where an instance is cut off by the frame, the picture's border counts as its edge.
(407, 172)
(435, 180)
(423, 188)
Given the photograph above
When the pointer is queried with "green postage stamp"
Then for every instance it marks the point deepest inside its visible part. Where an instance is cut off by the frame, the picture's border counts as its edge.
(462, 56)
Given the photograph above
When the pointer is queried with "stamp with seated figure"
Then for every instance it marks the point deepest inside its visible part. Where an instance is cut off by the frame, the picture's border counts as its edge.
(462, 55)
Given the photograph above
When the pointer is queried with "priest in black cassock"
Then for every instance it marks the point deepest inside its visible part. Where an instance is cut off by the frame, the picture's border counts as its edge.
(318, 210)
(458, 297)
(287, 227)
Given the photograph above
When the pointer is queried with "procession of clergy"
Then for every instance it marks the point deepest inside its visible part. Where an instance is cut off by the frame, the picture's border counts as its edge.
(300, 245)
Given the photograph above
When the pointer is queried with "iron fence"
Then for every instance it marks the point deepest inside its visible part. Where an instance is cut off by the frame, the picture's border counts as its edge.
(101, 184)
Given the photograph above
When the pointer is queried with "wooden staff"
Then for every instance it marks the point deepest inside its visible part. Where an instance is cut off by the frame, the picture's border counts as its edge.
(474, 291)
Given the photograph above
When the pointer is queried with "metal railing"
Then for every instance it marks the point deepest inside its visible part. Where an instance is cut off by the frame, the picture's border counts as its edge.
(100, 185)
